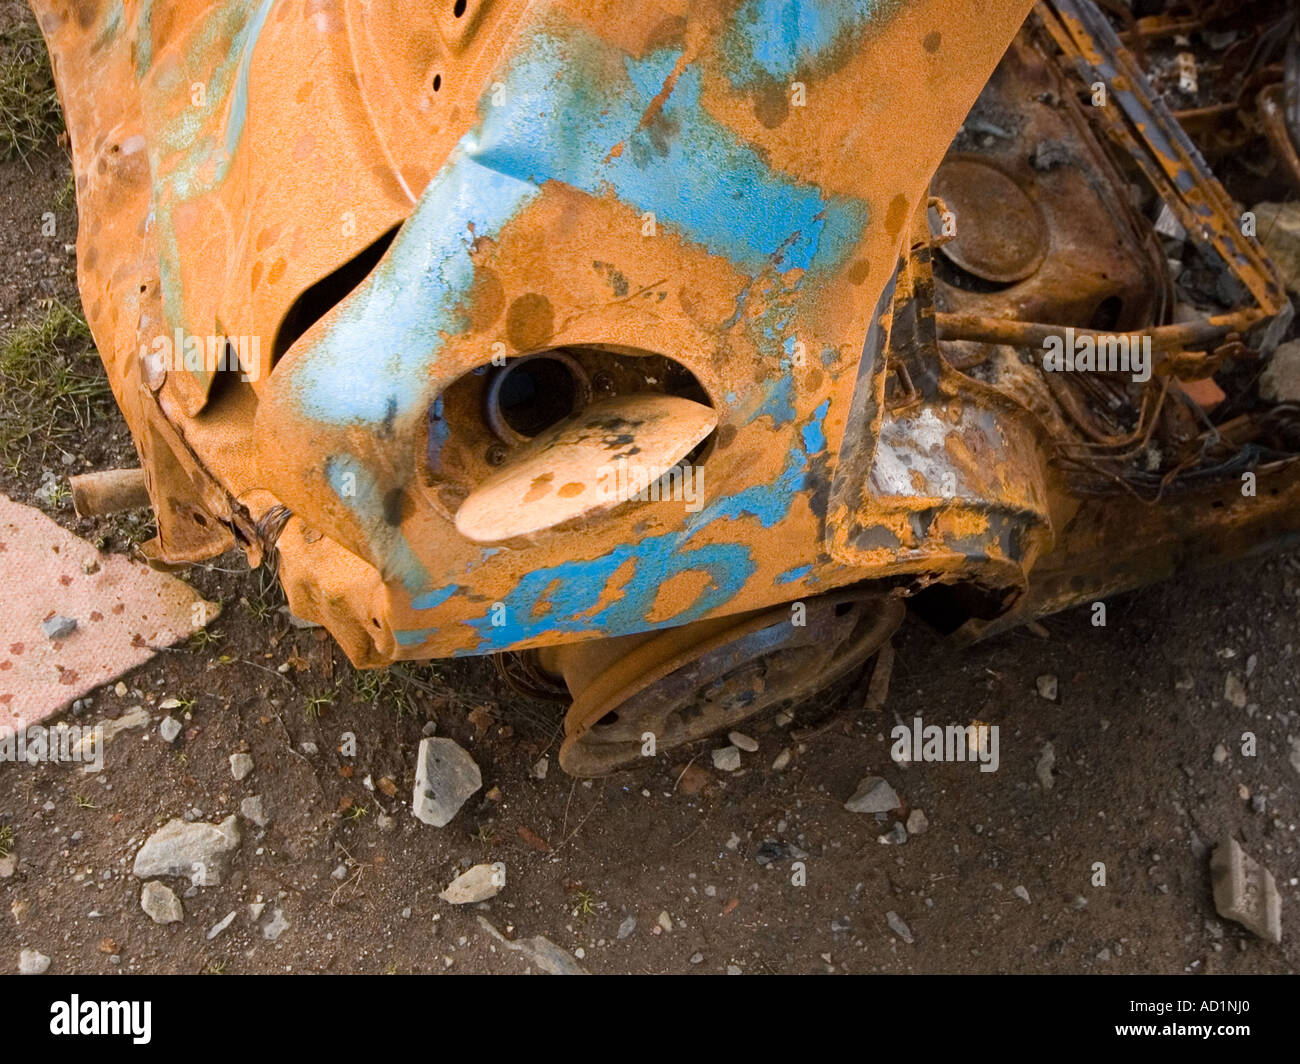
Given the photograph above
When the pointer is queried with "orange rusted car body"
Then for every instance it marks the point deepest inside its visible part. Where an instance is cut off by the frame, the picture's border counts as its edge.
(739, 188)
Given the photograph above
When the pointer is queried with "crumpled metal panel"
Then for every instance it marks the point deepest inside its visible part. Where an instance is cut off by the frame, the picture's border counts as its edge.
(728, 184)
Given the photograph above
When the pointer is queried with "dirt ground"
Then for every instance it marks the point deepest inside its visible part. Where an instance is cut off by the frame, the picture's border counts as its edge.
(1002, 880)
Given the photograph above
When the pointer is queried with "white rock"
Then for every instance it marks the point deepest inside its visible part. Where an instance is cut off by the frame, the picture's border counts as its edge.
(160, 903)
(782, 761)
(169, 728)
(1044, 766)
(873, 795)
(197, 851)
(276, 926)
(1048, 686)
(445, 776)
(479, 883)
(241, 765)
(743, 742)
(726, 759)
(252, 810)
(30, 962)
(221, 925)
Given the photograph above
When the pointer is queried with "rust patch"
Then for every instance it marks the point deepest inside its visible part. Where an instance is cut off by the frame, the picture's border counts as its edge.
(530, 322)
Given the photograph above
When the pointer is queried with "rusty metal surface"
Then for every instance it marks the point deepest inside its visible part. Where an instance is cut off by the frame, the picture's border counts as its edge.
(523, 148)
(423, 254)
(686, 683)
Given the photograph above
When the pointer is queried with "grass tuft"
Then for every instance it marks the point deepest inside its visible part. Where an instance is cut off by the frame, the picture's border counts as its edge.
(51, 381)
(30, 119)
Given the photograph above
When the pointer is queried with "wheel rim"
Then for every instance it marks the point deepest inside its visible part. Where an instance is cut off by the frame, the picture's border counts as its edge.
(684, 684)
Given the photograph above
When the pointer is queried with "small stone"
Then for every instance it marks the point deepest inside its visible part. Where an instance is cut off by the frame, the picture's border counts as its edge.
(665, 921)
(160, 903)
(251, 809)
(1022, 893)
(1220, 754)
(1245, 892)
(1043, 769)
(626, 927)
(538, 950)
(1048, 686)
(221, 925)
(743, 742)
(197, 851)
(385, 823)
(58, 626)
(873, 795)
(917, 822)
(429, 729)
(276, 926)
(309, 748)
(479, 883)
(697, 957)
(241, 765)
(1234, 691)
(782, 761)
(30, 962)
(733, 969)
(8, 865)
(255, 910)
(726, 759)
(340, 872)
(445, 777)
(542, 767)
(783, 719)
(898, 926)
(896, 836)
(169, 728)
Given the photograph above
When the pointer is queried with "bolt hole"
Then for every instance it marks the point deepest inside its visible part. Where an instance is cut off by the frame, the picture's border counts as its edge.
(437, 82)
(458, 8)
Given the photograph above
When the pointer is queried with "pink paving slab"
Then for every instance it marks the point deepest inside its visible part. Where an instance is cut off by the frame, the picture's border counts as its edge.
(124, 611)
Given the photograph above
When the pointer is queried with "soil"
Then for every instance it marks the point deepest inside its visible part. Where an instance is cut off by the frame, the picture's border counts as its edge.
(1140, 710)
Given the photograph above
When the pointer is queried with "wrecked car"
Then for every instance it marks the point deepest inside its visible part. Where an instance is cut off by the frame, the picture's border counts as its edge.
(676, 351)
